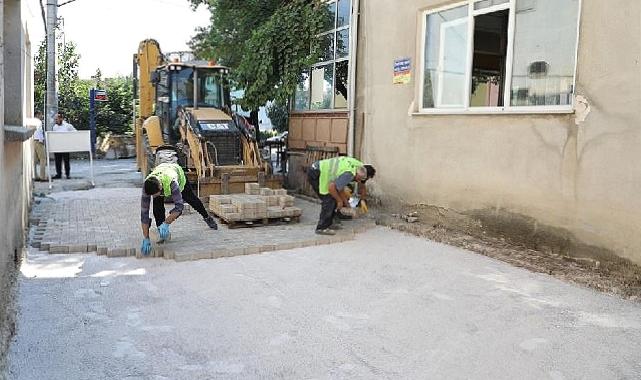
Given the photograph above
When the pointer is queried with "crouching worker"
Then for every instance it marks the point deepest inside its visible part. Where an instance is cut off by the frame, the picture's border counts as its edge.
(329, 178)
(167, 180)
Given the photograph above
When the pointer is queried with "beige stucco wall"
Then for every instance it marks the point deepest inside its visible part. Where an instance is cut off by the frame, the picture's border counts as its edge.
(16, 163)
(586, 179)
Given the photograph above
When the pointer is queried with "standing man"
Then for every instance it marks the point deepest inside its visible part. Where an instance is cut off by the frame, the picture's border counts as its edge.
(39, 147)
(62, 126)
(167, 180)
(329, 178)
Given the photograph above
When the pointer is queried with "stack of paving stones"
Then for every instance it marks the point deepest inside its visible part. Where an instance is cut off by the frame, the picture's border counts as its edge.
(256, 204)
(110, 226)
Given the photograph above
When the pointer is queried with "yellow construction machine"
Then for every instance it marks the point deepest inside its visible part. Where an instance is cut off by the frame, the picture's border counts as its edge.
(183, 114)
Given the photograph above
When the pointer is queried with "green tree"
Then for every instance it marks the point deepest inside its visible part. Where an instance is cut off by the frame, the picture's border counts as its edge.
(116, 114)
(40, 77)
(73, 93)
(267, 43)
(278, 113)
(69, 100)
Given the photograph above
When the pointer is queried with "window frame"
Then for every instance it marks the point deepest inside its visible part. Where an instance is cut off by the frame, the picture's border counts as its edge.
(507, 108)
(332, 62)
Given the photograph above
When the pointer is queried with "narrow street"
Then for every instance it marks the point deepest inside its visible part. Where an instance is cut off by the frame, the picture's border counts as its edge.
(384, 305)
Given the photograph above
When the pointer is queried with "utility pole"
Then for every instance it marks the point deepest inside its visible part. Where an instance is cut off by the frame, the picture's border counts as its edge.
(52, 94)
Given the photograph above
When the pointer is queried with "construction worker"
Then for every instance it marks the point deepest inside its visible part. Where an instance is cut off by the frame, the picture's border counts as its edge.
(329, 178)
(167, 180)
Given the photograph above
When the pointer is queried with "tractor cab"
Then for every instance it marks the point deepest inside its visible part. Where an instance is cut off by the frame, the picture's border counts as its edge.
(188, 86)
(199, 92)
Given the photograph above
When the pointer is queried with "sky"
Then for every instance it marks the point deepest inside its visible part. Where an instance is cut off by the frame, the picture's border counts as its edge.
(107, 32)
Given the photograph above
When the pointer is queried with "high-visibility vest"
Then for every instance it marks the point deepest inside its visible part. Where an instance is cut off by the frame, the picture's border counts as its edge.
(166, 173)
(332, 168)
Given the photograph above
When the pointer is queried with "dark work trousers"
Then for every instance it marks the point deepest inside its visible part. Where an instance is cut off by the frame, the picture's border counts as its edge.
(188, 197)
(59, 158)
(328, 203)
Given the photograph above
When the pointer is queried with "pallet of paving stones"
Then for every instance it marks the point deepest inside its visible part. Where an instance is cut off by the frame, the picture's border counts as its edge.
(257, 207)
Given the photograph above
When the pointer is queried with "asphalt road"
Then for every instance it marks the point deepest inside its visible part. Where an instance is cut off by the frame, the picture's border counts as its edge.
(385, 306)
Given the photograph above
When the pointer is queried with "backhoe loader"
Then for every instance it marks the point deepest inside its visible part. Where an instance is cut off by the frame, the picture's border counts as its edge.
(182, 114)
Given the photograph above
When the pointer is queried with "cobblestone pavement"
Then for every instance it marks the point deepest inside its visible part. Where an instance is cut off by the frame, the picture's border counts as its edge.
(106, 220)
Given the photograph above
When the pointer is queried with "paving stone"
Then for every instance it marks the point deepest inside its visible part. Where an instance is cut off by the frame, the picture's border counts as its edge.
(183, 256)
(81, 222)
(267, 248)
(235, 251)
(158, 251)
(57, 249)
(77, 248)
(117, 252)
(287, 246)
(251, 250)
(201, 255)
(220, 252)
(324, 240)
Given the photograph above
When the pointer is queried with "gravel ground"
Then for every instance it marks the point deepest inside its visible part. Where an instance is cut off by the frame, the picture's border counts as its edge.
(387, 305)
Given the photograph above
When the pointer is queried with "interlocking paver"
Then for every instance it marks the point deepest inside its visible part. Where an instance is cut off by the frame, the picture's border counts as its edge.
(107, 221)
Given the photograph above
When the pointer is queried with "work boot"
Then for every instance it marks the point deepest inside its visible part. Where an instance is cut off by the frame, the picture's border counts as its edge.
(211, 222)
(326, 231)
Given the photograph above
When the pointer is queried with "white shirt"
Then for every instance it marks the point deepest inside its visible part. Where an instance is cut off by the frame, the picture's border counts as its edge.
(39, 134)
(64, 127)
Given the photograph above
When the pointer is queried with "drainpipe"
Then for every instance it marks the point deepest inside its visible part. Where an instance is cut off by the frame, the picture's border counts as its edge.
(353, 52)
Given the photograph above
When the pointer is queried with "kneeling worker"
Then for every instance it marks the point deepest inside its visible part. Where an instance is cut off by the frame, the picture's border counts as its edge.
(329, 178)
(167, 180)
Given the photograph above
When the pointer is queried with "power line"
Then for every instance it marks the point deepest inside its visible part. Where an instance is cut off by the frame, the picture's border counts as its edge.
(65, 3)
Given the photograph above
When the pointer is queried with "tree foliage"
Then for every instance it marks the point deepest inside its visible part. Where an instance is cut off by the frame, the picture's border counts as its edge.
(114, 116)
(267, 43)
(278, 113)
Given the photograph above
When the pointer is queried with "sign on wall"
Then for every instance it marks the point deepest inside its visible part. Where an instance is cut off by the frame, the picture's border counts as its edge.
(402, 71)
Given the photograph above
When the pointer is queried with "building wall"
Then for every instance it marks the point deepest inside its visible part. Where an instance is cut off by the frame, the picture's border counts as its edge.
(584, 178)
(16, 164)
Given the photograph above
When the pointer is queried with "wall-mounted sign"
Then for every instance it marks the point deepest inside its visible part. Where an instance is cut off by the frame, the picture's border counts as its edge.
(402, 71)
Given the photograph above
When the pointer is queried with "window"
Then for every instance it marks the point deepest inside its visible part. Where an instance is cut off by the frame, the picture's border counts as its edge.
(325, 85)
(209, 89)
(500, 55)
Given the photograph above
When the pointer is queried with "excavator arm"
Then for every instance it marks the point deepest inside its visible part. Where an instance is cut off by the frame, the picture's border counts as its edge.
(148, 131)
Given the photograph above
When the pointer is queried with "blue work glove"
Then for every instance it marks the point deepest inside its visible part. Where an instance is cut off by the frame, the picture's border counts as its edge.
(145, 248)
(163, 231)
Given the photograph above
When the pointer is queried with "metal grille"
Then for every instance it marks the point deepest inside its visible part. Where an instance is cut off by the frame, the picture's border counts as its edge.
(224, 149)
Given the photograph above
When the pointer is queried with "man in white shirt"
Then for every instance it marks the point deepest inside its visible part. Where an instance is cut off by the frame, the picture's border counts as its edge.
(62, 126)
(39, 147)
